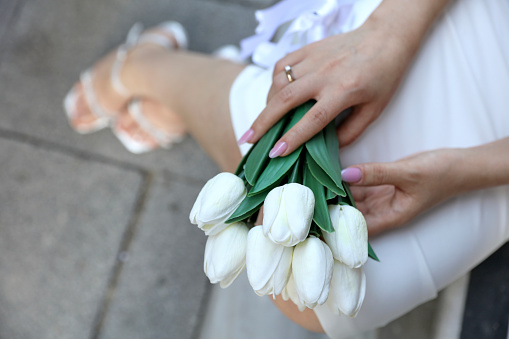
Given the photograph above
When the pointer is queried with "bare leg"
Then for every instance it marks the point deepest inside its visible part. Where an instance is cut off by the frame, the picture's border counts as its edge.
(196, 88)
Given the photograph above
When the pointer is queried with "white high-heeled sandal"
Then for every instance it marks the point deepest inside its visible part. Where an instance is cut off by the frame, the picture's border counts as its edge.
(134, 37)
(162, 138)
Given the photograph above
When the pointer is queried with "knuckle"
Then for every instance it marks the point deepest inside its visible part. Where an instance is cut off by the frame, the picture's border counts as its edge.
(319, 117)
(286, 94)
(378, 174)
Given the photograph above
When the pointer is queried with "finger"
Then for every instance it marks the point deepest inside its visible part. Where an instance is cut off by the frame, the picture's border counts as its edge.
(280, 80)
(311, 123)
(355, 124)
(289, 97)
(279, 77)
(374, 174)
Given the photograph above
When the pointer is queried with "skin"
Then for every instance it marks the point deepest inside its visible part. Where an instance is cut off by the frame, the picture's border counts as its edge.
(360, 69)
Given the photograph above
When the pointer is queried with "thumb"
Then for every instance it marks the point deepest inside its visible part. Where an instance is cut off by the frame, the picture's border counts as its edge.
(372, 174)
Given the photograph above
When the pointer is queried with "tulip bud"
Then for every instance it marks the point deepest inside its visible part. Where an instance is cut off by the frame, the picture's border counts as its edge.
(349, 242)
(290, 293)
(217, 201)
(348, 287)
(225, 254)
(287, 214)
(268, 264)
(312, 271)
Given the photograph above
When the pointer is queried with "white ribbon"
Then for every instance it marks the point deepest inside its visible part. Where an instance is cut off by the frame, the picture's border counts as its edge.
(310, 21)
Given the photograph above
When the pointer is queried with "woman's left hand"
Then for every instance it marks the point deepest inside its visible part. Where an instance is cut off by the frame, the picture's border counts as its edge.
(359, 69)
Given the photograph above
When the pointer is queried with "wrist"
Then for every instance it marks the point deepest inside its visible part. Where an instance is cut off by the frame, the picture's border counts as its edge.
(407, 22)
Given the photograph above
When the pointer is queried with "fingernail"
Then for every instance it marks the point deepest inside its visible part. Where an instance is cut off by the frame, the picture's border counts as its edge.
(246, 137)
(351, 174)
(278, 149)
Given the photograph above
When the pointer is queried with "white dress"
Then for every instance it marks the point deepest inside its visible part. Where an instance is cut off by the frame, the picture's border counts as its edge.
(454, 95)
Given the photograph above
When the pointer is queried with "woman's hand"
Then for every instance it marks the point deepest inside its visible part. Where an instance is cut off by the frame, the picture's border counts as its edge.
(360, 69)
(391, 194)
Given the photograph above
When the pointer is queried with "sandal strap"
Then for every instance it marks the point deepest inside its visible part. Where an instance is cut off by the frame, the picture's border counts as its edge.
(91, 98)
(136, 36)
(131, 40)
(163, 138)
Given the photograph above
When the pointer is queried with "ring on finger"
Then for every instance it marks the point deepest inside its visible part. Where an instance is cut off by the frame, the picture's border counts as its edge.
(289, 73)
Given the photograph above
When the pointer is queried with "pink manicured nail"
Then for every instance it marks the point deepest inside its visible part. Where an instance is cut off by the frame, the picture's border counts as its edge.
(351, 174)
(246, 137)
(278, 149)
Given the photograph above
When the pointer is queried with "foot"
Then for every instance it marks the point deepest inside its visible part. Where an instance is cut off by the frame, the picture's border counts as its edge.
(146, 125)
(91, 110)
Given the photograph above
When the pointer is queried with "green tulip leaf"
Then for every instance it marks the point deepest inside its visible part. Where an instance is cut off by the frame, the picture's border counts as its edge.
(240, 167)
(329, 194)
(371, 253)
(296, 173)
(318, 150)
(322, 177)
(321, 212)
(274, 171)
(331, 140)
(278, 167)
(250, 205)
(259, 156)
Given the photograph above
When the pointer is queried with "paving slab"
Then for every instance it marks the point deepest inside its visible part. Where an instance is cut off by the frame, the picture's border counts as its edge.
(62, 219)
(162, 287)
(52, 41)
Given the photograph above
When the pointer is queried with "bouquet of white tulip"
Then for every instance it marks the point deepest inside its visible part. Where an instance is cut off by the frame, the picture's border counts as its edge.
(313, 241)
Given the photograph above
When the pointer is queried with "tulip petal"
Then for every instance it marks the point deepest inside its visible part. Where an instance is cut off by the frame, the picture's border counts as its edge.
(225, 254)
(299, 204)
(349, 242)
(290, 293)
(196, 207)
(223, 195)
(312, 271)
(271, 208)
(348, 288)
(268, 264)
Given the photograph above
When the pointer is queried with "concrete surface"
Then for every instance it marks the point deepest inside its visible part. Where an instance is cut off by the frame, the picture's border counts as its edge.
(94, 241)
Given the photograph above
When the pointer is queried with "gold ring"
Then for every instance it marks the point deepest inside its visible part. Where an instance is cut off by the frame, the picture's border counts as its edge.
(289, 73)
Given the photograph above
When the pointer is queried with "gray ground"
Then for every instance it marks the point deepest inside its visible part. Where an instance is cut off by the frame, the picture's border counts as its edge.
(96, 242)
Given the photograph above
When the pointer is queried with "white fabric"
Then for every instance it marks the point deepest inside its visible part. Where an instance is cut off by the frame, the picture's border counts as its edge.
(454, 95)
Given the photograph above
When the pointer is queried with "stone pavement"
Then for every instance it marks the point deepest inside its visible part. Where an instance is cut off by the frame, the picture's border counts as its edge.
(94, 241)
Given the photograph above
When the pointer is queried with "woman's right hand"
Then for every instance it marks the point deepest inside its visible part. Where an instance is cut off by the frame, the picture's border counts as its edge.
(393, 193)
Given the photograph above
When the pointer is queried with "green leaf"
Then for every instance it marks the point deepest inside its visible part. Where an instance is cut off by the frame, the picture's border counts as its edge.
(329, 194)
(259, 156)
(318, 150)
(299, 113)
(321, 212)
(240, 166)
(250, 205)
(274, 171)
(331, 140)
(296, 173)
(371, 253)
(322, 177)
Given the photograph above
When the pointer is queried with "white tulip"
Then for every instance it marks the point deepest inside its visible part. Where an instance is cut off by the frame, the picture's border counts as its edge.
(348, 287)
(312, 271)
(217, 201)
(349, 242)
(225, 254)
(290, 293)
(268, 264)
(287, 214)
